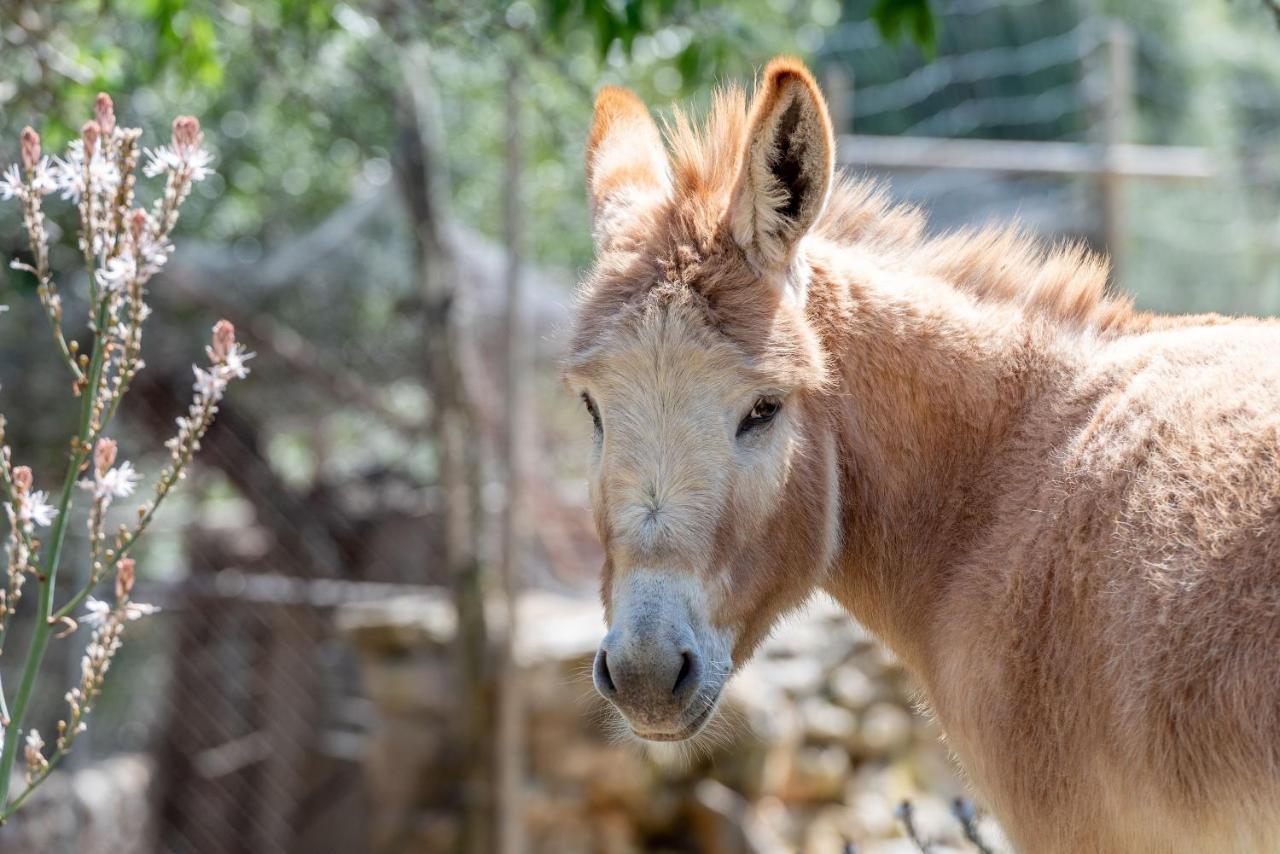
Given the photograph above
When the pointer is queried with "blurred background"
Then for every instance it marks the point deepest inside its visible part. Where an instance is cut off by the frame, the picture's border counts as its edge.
(379, 584)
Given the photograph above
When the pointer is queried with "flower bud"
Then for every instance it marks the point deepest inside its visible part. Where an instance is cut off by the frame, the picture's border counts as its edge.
(224, 339)
(186, 133)
(105, 113)
(30, 148)
(33, 752)
(90, 133)
(124, 578)
(104, 454)
(137, 225)
(22, 479)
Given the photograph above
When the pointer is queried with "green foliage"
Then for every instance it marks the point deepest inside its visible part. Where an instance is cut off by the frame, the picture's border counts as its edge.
(913, 20)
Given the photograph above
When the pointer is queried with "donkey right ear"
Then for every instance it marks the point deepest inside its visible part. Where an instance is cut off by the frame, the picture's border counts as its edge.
(787, 167)
(627, 168)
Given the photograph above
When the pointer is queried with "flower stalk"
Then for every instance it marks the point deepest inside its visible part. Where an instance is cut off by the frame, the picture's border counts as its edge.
(123, 248)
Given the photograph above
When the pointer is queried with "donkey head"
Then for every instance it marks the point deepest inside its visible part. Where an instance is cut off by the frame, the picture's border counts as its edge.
(713, 470)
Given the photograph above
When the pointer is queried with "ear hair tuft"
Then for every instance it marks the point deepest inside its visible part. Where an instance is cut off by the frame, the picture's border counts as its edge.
(787, 168)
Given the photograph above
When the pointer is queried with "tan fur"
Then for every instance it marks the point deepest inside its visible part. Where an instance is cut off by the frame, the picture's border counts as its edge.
(1062, 514)
(627, 170)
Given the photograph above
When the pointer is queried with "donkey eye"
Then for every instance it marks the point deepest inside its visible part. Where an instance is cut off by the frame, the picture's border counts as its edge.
(760, 415)
(592, 411)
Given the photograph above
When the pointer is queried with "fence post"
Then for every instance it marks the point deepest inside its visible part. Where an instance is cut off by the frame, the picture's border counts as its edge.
(837, 82)
(1117, 129)
(454, 430)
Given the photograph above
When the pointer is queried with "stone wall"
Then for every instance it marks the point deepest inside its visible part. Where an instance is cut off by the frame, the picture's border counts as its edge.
(817, 746)
(101, 809)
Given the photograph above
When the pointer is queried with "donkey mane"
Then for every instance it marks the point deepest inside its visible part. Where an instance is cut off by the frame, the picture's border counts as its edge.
(1065, 283)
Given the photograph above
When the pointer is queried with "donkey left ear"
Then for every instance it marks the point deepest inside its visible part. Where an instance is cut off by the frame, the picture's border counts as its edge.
(787, 167)
(627, 168)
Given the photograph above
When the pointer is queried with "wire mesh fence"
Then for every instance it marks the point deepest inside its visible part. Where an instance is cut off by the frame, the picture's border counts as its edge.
(245, 709)
(1201, 240)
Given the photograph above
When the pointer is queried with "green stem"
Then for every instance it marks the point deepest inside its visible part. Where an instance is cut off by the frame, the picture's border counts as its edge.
(44, 623)
(123, 547)
(12, 808)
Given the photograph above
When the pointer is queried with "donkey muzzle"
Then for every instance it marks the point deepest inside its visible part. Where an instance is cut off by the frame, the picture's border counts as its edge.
(660, 663)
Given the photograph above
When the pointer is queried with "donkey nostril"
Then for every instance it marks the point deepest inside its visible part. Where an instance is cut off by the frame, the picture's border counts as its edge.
(603, 679)
(686, 672)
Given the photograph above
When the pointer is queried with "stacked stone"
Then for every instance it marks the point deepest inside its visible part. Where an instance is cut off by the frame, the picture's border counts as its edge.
(102, 809)
(817, 745)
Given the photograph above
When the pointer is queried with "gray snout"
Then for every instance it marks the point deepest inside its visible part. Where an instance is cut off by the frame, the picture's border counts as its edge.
(662, 664)
(653, 680)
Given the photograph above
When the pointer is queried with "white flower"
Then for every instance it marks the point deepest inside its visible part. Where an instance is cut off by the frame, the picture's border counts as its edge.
(154, 254)
(209, 384)
(197, 162)
(118, 273)
(118, 482)
(233, 365)
(11, 184)
(135, 610)
(37, 510)
(42, 179)
(160, 160)
(68, 174)
(96, 612)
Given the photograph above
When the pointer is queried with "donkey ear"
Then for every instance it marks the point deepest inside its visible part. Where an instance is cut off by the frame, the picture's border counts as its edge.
(627, 168)
(787, 167)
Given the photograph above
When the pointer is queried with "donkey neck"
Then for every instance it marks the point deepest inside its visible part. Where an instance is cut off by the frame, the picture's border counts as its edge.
(930, 385)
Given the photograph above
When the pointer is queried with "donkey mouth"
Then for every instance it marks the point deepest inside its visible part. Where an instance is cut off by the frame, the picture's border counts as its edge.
(686, 732)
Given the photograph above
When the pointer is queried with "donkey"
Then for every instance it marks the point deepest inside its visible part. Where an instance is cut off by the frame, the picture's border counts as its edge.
(1061, 513)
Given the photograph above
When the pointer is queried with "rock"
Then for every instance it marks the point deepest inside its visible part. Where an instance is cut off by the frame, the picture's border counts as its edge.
(615, 834)
(827, 723)
(436, 830)
(818, 774)
(871, 815)
(934, 821)
(102, 808)
(413, 685)
(853, 689)
(724, 822)
(885, 729)
(616, 778)
(798, 677)
(828, 831)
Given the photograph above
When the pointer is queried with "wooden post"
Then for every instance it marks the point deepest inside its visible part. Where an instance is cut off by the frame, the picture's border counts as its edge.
(285, 716)
(1117, 128)
(519, 378)
(837, 83)
(424, 182)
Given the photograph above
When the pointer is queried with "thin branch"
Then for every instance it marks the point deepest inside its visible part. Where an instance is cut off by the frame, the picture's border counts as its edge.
(967, 814)
(905, 813)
